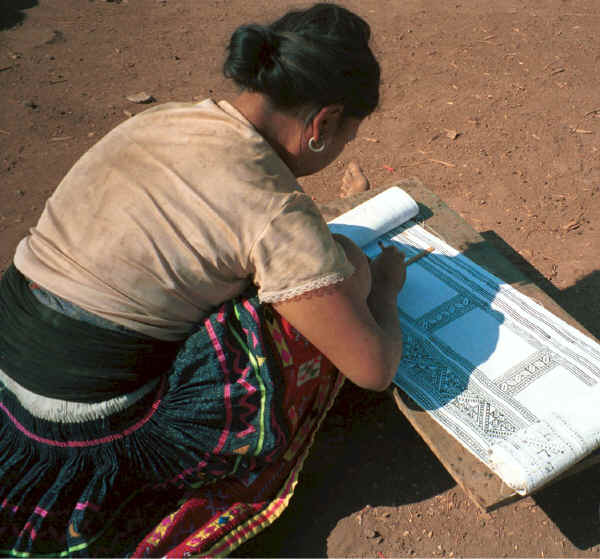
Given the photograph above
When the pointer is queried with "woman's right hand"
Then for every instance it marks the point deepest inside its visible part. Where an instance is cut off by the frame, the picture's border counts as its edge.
(388, 271)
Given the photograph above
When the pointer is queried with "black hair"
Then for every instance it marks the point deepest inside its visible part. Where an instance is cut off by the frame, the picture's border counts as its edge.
(308, 58)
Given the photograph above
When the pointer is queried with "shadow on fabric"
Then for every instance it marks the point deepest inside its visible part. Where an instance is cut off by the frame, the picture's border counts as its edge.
(450, 330)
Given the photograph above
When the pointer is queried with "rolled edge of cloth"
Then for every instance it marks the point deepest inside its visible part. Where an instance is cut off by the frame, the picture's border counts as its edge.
(532, 457)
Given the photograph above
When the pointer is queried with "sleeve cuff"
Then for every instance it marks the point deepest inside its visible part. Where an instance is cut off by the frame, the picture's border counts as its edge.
(306, 287)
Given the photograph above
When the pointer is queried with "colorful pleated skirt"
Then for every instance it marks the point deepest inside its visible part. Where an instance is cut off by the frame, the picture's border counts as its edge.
(203, 458)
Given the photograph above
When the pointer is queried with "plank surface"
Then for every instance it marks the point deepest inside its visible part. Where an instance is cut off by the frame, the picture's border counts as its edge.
(484, 487)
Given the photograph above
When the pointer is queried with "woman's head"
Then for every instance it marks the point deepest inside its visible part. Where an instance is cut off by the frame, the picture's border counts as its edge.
(315, 64)
(307, 60)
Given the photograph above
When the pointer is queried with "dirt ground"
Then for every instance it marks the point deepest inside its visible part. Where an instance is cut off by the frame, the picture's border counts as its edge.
(493, 104)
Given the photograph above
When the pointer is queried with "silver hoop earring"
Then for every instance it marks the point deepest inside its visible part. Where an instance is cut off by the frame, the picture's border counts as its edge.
(312, 145)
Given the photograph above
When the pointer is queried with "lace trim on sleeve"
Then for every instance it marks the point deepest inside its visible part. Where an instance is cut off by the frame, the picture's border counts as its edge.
(312, 285)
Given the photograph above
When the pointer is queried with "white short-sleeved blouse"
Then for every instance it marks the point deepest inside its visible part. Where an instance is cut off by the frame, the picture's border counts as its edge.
(173, 212)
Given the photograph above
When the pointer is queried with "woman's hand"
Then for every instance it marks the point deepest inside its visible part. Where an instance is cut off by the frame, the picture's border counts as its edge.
(388, 271)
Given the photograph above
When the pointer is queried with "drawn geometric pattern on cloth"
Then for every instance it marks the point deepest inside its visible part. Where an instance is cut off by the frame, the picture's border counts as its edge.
(446, 313)
(472, 376)
(555, 358)
(490, 419)
(495, 387)
(444, 385)
(490, 364)
(522, 375)
(544, 449)
(512, 304)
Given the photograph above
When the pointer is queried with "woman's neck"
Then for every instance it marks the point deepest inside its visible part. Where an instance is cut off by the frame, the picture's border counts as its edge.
(281, 130)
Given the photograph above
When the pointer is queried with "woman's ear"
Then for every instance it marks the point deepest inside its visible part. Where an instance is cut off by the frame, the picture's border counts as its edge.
(325, 123)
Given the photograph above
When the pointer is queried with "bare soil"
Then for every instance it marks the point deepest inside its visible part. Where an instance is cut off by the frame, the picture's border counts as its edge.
(493, 104)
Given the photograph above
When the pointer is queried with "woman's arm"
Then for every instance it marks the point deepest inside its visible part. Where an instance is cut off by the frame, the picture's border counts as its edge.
(355, 324)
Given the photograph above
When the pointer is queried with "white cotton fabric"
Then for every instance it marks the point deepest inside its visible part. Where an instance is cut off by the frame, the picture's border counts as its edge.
(512, 382)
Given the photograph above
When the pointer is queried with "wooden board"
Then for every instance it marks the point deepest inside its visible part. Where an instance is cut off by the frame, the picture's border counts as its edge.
(484, 487)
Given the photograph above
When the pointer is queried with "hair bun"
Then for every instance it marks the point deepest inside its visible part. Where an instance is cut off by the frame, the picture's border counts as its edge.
(308, 59)
(252, 53)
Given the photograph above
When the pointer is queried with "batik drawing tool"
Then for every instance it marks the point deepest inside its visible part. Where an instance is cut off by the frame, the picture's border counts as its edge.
(420, 255)
(416, 257)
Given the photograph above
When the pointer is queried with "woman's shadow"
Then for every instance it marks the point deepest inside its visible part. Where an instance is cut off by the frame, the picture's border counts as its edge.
(449, 320)
(12, 12)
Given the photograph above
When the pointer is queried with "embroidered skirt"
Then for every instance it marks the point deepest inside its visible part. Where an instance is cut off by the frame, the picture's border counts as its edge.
(203, 459)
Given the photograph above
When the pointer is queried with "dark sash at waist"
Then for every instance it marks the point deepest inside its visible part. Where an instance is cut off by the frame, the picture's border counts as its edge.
(61, 357)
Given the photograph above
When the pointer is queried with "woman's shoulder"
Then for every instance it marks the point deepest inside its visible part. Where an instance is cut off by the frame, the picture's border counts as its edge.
(207, 116)
(215, 137)
(195, 118)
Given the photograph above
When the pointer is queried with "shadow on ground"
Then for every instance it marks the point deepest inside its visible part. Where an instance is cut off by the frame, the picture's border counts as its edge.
(572, 504)
(581, 300)
(12, 14)
(365, 454)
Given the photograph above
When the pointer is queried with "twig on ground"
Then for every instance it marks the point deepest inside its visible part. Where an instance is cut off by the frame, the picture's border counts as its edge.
(550, 64)
(445, 163)
(594, 112)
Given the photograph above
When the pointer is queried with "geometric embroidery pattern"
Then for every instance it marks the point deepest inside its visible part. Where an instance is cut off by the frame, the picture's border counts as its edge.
(309, 370)
(279, 341)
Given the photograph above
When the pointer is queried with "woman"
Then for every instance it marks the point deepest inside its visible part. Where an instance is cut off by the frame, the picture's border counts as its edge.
(173, 326)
